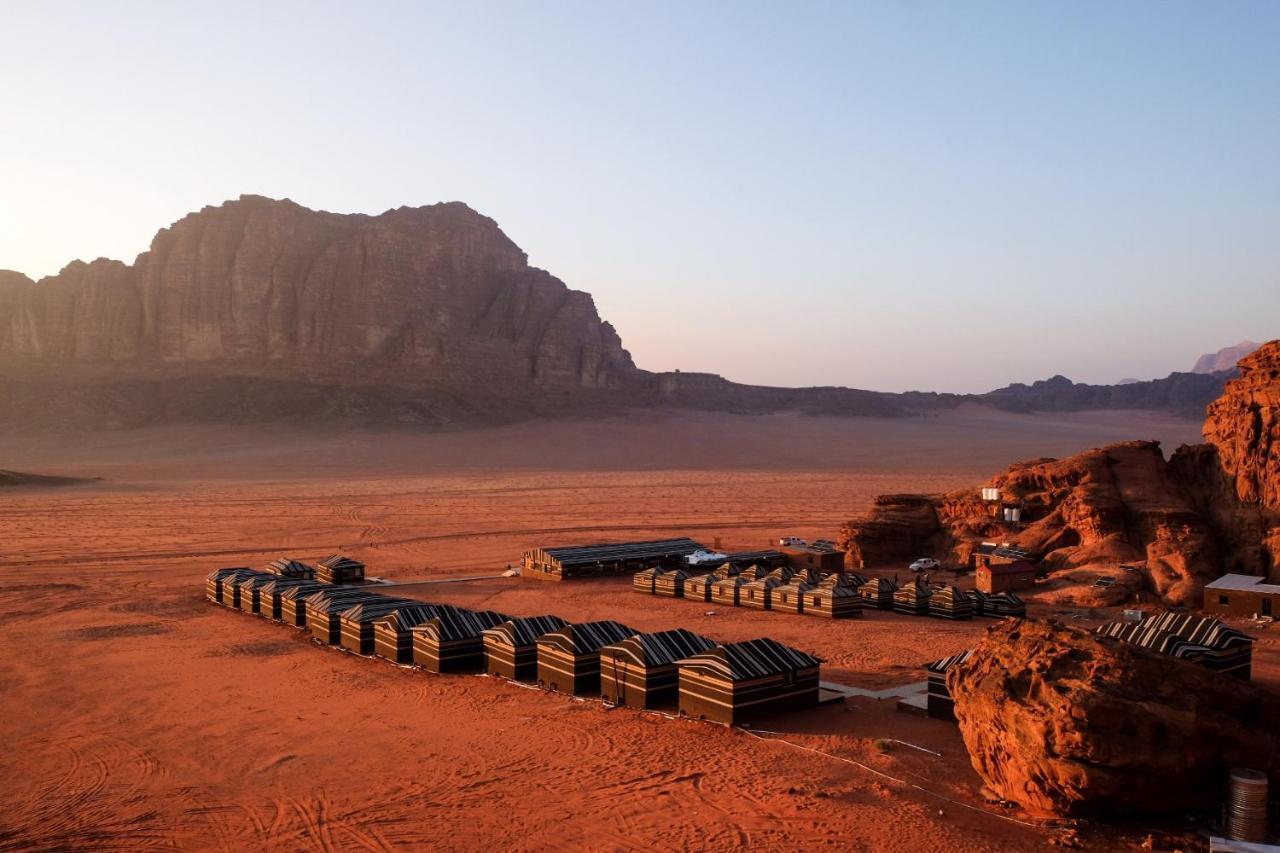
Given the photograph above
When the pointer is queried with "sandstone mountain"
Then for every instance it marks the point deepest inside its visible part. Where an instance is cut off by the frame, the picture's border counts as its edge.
(433, 294)
(1224, 359)
(1208, 509)
(259, 309)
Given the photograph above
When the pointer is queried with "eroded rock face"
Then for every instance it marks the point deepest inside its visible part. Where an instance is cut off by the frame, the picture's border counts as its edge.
(434, 294)
(899, 528)
(1117, 504)
(1064, 722)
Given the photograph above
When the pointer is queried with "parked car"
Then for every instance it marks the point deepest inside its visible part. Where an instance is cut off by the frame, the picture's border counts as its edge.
(925, 564)
(792, 542)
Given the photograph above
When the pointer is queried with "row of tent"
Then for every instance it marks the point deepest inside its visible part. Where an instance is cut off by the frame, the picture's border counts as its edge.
(705, 679)
(336, 568)
(835, 595)
(1201, 640)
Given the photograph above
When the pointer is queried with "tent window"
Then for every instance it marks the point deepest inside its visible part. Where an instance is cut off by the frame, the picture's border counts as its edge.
(1223, 599)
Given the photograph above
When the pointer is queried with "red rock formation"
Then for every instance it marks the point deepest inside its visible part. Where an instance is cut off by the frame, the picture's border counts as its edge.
(260, 287)
(1236, 475)
(1117, 504)
(1064, 722)
(899, 528)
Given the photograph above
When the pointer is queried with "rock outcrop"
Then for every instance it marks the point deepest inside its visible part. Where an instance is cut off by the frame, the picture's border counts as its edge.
(1210, 508)
(1235, 476)
(1114, 505)
(1064, 722)
(434, 295)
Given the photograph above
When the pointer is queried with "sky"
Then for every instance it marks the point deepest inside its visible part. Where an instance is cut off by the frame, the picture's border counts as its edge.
(887, 195)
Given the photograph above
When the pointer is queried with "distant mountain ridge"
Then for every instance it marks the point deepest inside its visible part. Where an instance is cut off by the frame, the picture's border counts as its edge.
(1225, 358)
(264, 310)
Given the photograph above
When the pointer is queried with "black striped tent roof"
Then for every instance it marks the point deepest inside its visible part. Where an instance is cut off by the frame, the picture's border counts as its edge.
(733, 580)
(459, 623)
(339, 562)
(699, 581)
(851, 580)
(880, 584)
(405, 618)
(755, 571)
(374, 608)
(524, 631)
(770, 581)
(978, 597)
(586, 555)
(222, 573)
(727, 570)
(943, 664)
(1202, 630)
(682, 574)
(750, 659)
(797, 586)
(914, 590)
(337, 593)
(1004, 603)
(306, 588)
(583, 638)
(782, 573)
(253, 579)
(946, 594)
(279, 584)
(288, 568)
(661, 648)
(651, 572)
(1147, 636)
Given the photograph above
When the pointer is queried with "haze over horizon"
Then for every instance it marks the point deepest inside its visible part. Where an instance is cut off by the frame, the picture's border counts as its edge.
(888, 197)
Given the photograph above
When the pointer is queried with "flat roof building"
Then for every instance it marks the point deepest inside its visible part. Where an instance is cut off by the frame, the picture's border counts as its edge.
(573, 561)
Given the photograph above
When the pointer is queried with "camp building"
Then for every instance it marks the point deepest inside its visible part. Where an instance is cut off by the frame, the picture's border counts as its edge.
(743, 681)
(511, 649)
(569, 657)
(1242, 595)
(574, 561)
(452, 639)
(640, 671)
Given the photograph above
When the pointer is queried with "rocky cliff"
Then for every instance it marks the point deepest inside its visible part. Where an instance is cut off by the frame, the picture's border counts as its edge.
(435, 295)
(1210, 508)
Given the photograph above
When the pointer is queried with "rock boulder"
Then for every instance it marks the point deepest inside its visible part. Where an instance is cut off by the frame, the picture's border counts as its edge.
(1064, 722)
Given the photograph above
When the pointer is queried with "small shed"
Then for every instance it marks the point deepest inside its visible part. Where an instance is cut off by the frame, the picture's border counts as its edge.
(940, 705)
(699, 588)
(1243, 596)
(213, 586)
(640, 671)
(1002, 605)
(745, 681)
(948, 602)
(642, 581)
(356, 624)
(1005, 577)
(913, 598)
(671, 582)
(393, 634)
(569, 657)
(511, 649)
(452, 640)
(878, 593)
(789, 597)
(833, 600)
(729, 590)
(324, 612)
(759, 594)
(338, 568)
(289, 568)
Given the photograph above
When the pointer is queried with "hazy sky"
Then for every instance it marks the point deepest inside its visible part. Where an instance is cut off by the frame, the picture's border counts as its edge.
(889, 195)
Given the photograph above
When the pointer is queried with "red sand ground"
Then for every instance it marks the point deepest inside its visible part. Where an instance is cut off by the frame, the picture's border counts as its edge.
(138, 715)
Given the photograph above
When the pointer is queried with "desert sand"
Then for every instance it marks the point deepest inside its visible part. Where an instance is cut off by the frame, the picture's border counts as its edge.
(137, 714)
